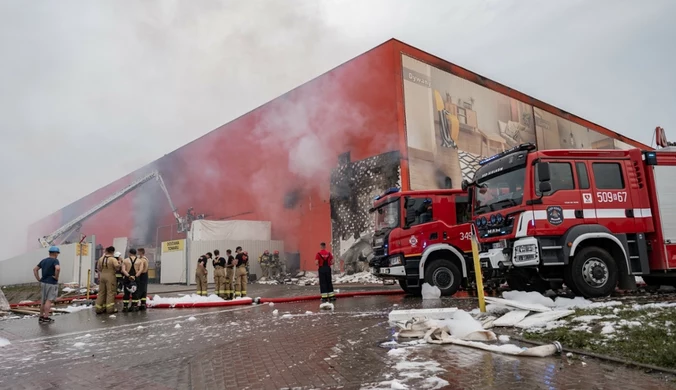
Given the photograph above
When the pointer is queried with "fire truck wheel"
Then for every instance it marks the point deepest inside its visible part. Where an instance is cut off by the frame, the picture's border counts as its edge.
(594, 272)
(409, 290)
(568, 281)
(445, 275)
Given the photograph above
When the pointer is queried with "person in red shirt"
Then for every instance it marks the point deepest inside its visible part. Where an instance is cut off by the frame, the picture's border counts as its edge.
(324, 262)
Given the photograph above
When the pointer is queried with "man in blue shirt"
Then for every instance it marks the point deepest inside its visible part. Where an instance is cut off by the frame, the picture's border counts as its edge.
(49, 282)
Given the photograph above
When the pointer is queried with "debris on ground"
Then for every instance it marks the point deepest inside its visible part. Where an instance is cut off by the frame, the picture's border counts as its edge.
(307, 278)
(627, 328)
(460, 328)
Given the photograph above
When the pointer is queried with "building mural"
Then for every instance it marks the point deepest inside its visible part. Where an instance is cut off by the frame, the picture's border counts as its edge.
(354, 185)
(554, 132)
(451, 123)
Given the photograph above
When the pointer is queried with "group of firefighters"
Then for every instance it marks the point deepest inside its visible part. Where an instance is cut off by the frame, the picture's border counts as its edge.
(230, 276)
(230, 273)
(129, 274)
(272, 266)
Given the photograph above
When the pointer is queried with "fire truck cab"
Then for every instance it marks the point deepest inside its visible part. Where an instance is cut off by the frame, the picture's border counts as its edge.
(423, 236)
(592, 219)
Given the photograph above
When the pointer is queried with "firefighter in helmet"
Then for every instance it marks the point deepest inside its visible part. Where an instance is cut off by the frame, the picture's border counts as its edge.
(242, 261)
(279, 265)
(106, 266)
(219, 264)
(265, 263)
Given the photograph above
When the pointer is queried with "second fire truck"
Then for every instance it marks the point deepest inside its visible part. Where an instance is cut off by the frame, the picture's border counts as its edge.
(423, 237)
(592, 219)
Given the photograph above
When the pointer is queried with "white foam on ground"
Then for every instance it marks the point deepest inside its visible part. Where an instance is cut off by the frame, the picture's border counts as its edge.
(192, 319)
(75, 309)
(4, 342)
(79, 345)
(191, 298)
(430, 292)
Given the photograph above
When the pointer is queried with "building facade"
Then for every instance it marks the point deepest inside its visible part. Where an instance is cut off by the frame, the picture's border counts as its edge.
(312, 160)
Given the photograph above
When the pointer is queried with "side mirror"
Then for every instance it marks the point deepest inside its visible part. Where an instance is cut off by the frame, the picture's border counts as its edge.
(465, 185)
(545, 186)
(543, 172)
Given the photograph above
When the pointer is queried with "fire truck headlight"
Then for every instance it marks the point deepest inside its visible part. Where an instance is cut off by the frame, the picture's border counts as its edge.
(494, 219)
(395, 260)
(529, 248)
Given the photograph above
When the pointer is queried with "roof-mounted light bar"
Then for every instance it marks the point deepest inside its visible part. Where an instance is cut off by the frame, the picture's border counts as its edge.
(518, 148)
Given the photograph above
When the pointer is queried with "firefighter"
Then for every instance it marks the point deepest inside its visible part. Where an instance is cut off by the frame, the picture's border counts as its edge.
(324, 262)
(242, 260)
(118, 273)
(219, 273)
(229, 275)
(130, 269)
(201, 275)
(264, 261)
(279, 266)
(142, 279)
(106, 266)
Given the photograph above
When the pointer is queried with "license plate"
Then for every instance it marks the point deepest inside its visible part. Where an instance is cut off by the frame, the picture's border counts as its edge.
(484, 264)
(498, 245)
(385, 270)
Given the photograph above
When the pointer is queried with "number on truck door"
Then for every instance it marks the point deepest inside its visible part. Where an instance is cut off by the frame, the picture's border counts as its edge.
(612, 203)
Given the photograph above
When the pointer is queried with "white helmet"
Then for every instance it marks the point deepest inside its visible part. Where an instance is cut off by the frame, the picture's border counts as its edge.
(117, 254)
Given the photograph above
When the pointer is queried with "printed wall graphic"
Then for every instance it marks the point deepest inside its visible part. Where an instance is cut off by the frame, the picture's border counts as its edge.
(354, 185)
(452, 123)
(554, 132)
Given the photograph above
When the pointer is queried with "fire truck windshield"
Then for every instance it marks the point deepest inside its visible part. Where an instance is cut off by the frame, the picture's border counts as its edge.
(387, 216)
(499, 191)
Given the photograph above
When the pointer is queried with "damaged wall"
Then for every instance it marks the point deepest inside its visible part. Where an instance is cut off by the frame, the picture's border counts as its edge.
(354, 184)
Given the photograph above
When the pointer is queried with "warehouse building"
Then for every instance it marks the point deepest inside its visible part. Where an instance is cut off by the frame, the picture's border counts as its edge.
(311, 161)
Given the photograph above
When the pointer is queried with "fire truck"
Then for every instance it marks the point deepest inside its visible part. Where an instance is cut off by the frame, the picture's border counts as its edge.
(592, 219)
(423, 236)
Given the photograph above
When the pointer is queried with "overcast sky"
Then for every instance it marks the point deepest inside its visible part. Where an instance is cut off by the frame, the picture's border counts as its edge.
(82, 80)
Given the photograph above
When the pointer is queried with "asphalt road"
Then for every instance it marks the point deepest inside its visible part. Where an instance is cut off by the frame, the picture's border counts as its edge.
(251, 348)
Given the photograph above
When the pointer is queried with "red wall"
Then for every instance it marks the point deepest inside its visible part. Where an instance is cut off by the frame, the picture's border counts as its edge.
(246, 168)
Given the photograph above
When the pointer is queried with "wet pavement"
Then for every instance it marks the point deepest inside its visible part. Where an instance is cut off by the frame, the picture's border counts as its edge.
(249, 347)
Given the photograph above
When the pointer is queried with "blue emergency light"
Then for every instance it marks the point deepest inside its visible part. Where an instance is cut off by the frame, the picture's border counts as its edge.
(392, 190)
(518, 148)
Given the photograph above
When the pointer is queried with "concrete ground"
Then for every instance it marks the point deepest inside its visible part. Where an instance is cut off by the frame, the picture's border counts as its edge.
(249, 347)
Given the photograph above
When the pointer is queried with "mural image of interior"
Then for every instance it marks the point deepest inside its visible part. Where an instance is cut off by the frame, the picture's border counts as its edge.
(452, 123)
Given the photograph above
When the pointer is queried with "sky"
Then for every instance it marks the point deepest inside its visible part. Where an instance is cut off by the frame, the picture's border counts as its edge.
(92, 90)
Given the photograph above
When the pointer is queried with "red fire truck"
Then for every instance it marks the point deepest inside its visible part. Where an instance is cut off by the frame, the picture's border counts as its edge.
(592, 219)
(423, 236)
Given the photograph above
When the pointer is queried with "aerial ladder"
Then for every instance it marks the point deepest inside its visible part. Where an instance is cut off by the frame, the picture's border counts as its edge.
(75, 224)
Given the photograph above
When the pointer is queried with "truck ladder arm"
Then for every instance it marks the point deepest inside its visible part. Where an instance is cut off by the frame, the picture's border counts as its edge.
(46, 241)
